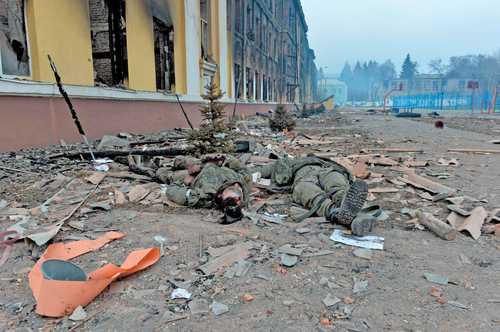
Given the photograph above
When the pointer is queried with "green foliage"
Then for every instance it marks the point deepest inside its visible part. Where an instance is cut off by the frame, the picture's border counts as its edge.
(281, 120)
(409, 70)
(214, 134)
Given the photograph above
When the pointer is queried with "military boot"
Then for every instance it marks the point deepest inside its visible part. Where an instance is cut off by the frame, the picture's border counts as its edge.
(351, 204)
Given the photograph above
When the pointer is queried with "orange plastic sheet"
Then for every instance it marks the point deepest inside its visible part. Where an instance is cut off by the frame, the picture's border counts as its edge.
(56, 298)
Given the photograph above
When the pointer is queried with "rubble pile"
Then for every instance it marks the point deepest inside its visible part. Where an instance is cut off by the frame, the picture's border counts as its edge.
(55, 195)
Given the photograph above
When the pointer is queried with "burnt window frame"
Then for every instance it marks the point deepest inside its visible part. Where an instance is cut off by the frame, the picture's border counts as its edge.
(28, 48)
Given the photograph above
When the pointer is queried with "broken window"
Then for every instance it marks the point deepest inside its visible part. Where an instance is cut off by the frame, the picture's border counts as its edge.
(164, 55)
(206, 50)
(238, 16)
(109, 41)
(14, 51)
(264, 88)
(257, 86)
(238, 78)
(249, 76)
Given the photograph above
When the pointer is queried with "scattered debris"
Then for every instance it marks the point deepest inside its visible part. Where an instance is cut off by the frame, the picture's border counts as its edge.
(55, 298)
(109, 141)
(219, 308)
(471, 224)
(459, 305)
(199, 307)
(436, 292)
(438, 227)
(367, 242)
(363, 253)
(435, 278)
(478, 151)
(234, 254)
(180, 293)
(78, 314)
(290, 250)
(303, 230)
(359, 285)
(330, 301)
(229, 258)
(452, 162)
(288, 260)
(247, 298)
(420, 182)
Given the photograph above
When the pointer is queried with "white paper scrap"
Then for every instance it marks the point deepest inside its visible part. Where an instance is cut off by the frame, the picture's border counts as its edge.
(367, 242)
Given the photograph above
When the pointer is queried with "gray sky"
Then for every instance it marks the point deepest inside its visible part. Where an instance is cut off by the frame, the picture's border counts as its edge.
(341, 30)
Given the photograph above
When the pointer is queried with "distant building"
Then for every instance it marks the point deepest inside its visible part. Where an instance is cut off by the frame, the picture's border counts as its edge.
(429, 83)
(329, 85)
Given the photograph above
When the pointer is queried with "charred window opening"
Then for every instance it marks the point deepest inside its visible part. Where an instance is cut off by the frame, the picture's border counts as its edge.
(264, 88)
(258, 87)
(238, 78)
(109, 41)
(14, 51)
(164, 55)
(206, 50)
(238, 24)
(249, 76)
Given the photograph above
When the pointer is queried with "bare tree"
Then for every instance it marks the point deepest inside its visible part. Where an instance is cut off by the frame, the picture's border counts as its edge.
(437, 66)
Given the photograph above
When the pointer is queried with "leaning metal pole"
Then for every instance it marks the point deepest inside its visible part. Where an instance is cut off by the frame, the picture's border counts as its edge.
(70, 106)
(184, 112)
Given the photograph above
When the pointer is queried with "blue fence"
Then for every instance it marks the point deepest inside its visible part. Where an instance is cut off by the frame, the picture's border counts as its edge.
(446, 101)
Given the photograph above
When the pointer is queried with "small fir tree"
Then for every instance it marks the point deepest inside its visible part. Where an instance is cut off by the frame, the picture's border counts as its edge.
(409, 69)
(214, 134)
(281, 120)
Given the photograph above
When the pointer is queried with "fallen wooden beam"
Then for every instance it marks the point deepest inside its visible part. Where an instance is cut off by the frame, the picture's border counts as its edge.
(395, 150)
(420, 182)
(17, 170)
(121, 153)
(475, 151)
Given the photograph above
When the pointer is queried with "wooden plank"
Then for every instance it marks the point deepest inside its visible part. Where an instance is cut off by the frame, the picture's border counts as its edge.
(475, 151)
(396, 150)
(420, 182)
(227, 259)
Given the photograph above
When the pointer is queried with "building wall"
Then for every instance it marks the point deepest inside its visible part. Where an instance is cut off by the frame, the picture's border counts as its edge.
(55, 24)
(271, 57)
(60, 28)
(140, 46)
(272, 45)
(46, 120)
(177, 13)
(430, 84)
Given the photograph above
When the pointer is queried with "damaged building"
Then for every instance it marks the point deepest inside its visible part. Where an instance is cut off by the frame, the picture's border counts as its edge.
(271, 54)
(124, 63)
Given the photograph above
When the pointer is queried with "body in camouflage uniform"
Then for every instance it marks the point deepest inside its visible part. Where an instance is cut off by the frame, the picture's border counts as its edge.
(324, 187)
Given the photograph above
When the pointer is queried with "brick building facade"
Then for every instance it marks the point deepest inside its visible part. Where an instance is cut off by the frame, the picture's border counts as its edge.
(271, 55)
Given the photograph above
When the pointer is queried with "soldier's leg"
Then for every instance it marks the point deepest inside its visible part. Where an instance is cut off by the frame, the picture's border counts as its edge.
(335, 184)
(308, 192)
